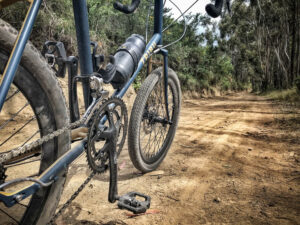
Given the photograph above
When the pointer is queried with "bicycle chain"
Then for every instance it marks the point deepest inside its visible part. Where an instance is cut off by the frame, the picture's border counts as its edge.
(31, 146)
(71, 199)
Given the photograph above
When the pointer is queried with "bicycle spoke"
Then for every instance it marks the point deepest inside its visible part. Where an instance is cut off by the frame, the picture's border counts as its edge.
(159, 144)
(29, 121)
(30, 138)
(152, 144)
(148, 141)
(155, 145)
(9, 216)
(19, 164)
(155, 141)
(8, 98)
(13, 116)
(22, 205)
(145, 134)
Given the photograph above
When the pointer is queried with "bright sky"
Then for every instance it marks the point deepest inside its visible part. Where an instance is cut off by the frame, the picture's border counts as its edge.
(199, 7)
(185, 4)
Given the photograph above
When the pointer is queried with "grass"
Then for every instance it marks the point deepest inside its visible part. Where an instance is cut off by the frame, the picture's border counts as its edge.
(289, 95)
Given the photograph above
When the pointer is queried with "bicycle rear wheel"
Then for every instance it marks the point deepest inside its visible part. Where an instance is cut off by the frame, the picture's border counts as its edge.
(149, 134)
(35, 107)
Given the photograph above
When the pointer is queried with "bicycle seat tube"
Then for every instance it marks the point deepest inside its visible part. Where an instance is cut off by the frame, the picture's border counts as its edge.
(84, 45)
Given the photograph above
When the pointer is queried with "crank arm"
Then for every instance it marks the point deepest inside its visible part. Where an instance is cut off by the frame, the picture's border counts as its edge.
(113, 170)
(129, 200)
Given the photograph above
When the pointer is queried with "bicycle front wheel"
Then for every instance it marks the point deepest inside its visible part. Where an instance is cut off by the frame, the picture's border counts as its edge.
(34, 107)
(150, 134)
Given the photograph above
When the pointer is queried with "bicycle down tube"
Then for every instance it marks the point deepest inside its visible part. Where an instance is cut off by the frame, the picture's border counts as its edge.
(84, 50)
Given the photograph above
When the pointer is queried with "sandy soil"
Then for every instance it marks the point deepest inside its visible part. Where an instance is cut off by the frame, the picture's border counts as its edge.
(235, 160)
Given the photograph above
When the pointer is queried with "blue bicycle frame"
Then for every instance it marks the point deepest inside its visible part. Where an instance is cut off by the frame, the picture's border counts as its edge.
(85, 58)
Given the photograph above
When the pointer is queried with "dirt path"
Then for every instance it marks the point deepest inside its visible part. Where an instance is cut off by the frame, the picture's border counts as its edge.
(235, 160)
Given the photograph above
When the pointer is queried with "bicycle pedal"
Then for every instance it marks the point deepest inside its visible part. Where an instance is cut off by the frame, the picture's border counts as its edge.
(129, 202)
(56, 56)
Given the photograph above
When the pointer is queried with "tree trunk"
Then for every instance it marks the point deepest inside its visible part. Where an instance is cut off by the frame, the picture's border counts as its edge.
(293, 24)
(297, 56)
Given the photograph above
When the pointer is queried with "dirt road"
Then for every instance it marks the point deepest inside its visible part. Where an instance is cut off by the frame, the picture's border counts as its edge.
(235, 160)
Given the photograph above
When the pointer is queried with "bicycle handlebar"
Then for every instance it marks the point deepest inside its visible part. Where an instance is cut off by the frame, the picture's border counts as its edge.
(127, 9)
(214, 10)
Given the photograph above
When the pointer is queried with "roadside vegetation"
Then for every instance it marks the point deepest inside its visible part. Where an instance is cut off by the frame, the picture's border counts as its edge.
(257, 48)
(289, 95)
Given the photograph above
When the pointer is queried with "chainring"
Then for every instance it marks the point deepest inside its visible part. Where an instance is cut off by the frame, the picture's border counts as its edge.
(109, 122)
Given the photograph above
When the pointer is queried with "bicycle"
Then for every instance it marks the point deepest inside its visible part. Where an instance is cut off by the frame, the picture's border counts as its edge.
(100, 132)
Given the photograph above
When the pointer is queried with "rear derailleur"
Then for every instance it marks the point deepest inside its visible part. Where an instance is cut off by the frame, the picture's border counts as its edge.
(106, 138)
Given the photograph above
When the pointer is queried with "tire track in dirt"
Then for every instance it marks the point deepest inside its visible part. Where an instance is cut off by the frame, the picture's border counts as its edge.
(232, 162)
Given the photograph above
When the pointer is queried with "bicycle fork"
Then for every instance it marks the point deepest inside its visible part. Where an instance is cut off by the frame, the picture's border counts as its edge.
(165, 53)
(164, 64)
(15, 56)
